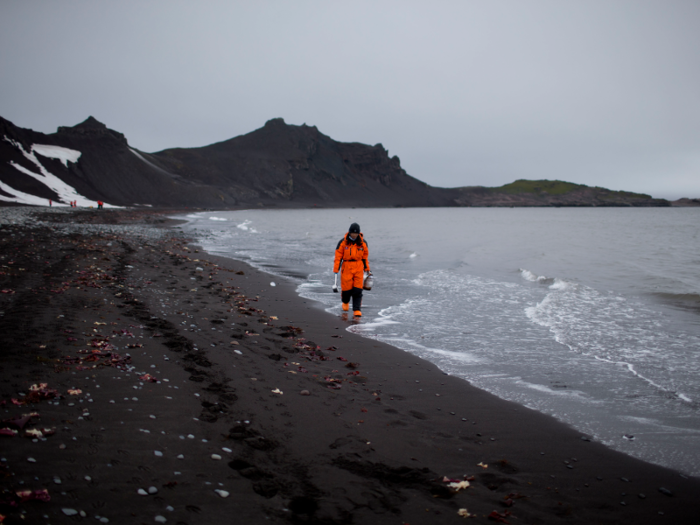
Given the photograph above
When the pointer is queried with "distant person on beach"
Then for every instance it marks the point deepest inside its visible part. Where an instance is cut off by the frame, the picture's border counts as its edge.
(351, 254)
(99, 205)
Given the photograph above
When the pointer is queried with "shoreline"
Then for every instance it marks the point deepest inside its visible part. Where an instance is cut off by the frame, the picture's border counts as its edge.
(649, 430)
(312, 424)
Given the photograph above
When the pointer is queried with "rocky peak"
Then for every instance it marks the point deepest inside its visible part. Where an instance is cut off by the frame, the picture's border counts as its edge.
(6, 127)
(275, 122)
(91, 127)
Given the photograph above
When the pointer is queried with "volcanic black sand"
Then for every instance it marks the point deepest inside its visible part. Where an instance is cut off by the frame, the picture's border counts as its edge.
(161, 384)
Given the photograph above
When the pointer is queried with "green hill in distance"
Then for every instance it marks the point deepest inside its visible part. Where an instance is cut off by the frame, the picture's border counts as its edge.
(551, 193)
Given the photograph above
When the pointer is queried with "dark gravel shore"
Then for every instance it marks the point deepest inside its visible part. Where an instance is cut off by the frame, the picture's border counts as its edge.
(144, 381)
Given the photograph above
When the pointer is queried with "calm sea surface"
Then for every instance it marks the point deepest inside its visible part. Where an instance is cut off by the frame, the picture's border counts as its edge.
(589, 315)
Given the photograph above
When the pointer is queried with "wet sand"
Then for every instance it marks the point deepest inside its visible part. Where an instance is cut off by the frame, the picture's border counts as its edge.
(185, 388)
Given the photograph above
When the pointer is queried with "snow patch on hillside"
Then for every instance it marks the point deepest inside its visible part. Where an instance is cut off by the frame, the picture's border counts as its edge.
(65, 193)
(65, 155)
(20, 197)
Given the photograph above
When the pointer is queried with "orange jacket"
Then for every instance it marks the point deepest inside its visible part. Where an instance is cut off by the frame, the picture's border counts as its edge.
(349, 250)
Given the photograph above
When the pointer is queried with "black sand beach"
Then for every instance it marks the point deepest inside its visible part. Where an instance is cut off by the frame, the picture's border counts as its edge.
(144, 381)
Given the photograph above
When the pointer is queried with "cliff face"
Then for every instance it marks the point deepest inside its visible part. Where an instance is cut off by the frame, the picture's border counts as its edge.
(277, 165)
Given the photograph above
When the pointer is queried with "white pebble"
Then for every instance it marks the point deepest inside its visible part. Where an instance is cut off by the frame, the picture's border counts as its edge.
(69, 512)
(227, 450)
(152, 490)
(31, 460)
(190, 436)
(221, 493)
(88, 478)
(169, 508)
(57, 481)
(158, 453)
(152, 416)
(161, 519)
(215, 456)
(104, 520)
(142, 492)
(181, 457)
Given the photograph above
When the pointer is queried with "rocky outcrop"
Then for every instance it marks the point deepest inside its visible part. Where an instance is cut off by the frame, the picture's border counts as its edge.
(91, 127)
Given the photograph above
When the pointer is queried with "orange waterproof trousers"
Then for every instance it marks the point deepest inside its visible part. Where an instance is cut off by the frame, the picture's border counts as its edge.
(351, 275)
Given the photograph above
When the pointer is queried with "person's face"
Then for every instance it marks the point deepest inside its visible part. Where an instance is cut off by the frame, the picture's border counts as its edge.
(353, 236)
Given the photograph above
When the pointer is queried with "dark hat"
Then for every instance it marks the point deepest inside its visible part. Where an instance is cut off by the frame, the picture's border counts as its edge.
(354, 228)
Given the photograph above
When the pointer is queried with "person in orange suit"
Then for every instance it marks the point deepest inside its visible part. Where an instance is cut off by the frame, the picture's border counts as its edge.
(352, 253)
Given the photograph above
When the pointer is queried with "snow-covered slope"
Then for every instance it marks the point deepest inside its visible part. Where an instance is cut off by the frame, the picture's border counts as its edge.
(66, 194)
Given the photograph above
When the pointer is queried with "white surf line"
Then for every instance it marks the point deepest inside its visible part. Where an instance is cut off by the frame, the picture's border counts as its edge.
(65, 192)
(630, 367)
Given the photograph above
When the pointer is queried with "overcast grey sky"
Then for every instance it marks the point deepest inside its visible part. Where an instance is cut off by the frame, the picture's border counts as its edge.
(604, 93)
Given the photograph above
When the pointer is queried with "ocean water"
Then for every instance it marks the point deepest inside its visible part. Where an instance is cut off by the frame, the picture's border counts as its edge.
(589, 315)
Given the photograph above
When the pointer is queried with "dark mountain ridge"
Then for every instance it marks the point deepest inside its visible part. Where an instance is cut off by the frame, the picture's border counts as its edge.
(278, 165)
(284, 164)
